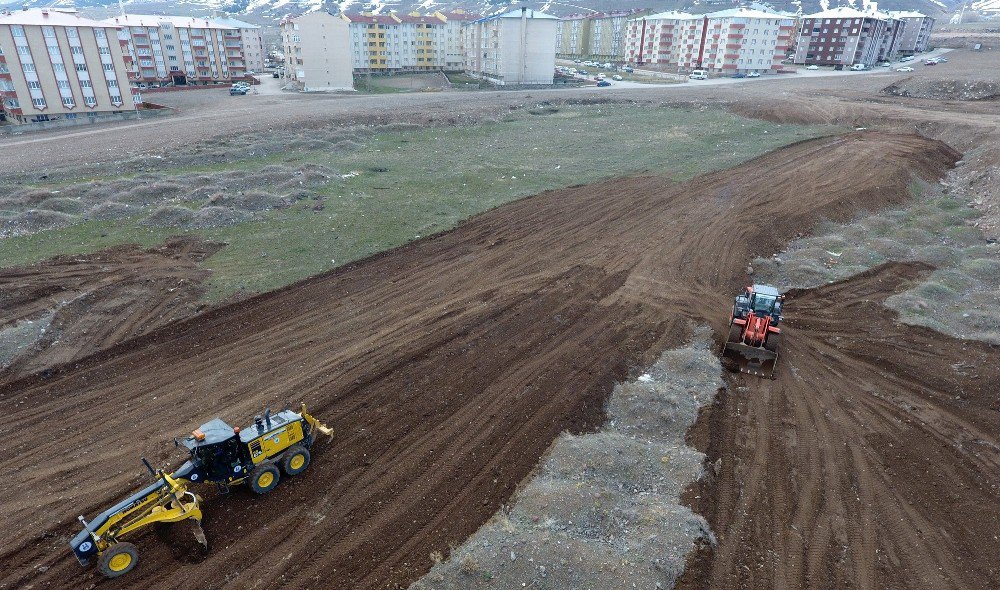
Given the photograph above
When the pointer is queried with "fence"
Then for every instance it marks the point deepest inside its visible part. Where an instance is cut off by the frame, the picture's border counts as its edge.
(148, 113)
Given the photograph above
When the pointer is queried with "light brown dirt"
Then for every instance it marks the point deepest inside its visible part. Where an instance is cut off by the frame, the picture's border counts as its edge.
(101, 299)
(446, 367)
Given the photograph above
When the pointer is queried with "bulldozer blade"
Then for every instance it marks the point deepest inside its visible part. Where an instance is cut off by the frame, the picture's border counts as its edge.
(751, 359)
(199, 533)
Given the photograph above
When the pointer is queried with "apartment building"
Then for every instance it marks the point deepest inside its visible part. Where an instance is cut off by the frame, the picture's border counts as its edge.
(392, 42)
(455, 20)
(728, 41)
(57, 65)
(251, 41)
(916, 31)
(517, 47)
(658, 39)
(598, 35)
(317, 47)
(846, 36)
(180, 50)
(744, 40)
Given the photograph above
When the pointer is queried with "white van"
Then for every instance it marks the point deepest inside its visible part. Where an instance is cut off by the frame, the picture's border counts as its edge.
(858, 67)
(698, 75)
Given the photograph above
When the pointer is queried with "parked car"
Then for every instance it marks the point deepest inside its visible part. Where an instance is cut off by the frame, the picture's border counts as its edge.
(858, 67)
(276, 75)
(698, 75)
(237, 91)
(628, 69)
(885, 64)
(739, 75)
(583, 73)
(753, 75)
(941, 60)
(904, 69)
(907, 58)
(930, 62)
(617, 78)
(813, 67)
(604, 83)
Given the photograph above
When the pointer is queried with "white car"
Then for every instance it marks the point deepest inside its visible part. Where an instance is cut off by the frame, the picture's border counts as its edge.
(753, 75)
(698, 75)
(812, 67)
(617, 78)
(904, 69)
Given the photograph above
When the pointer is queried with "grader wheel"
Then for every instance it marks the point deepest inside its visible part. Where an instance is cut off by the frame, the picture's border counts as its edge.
(118, 560)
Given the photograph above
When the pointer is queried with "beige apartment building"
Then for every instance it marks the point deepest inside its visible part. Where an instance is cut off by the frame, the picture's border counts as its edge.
(407, 42)
(517, 47)
(598, 35)
(57, 65)
(737, 40)
(317, 52)
(181, 50)
(251, 41)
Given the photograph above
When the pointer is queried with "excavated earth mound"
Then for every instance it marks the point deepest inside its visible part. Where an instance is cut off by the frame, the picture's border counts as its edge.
(80, 304)
(449, 365)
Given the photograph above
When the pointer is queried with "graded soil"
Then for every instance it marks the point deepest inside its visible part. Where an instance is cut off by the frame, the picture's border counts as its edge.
(448, 366)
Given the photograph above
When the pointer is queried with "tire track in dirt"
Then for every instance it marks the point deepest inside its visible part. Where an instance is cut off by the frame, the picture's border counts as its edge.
(446, 367)
(101, 299)
(883, 474)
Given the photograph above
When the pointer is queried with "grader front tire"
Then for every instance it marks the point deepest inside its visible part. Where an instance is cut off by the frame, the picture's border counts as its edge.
(118, 560)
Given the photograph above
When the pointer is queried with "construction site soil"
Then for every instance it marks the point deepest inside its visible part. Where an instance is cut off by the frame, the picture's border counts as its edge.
(448, 366)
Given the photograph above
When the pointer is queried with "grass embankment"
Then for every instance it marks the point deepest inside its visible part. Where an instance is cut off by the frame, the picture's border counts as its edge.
(960, 298)
(391, 188)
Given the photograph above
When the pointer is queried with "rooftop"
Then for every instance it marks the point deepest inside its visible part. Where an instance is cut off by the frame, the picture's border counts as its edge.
(672, 15)
(529, 13)
(154, 20)
(744, 13)
(843, 12)
(49, 16)
(906, 14)
(232, 23)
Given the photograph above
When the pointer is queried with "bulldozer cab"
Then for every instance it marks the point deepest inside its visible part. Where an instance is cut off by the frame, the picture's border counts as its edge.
(761, 300)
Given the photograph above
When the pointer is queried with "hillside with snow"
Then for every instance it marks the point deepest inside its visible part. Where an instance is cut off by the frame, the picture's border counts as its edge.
(270, 11)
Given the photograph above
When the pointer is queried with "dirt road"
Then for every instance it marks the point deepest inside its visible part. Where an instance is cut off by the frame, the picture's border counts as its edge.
(870, 463)
(446, 368)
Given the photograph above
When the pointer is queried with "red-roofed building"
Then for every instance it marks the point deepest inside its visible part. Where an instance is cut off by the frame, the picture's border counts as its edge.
(406, 42)
(596, 35)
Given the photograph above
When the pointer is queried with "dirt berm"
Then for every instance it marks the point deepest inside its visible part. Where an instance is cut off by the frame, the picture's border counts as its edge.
(448, 366)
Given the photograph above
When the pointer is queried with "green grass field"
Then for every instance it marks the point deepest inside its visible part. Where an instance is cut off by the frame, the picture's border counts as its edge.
(399, 186)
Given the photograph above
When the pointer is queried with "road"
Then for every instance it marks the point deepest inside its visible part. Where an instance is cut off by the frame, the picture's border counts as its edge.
(206, 114)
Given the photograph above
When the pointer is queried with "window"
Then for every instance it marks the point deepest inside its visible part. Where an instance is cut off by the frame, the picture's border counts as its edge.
(99, 33)
(112, 83)
(38, 102)
(109, 67)
(28, 67)
(81, 67)
(104, 50)
(168, 37)
(48, 32)
(68, 101)
(23, 50)
(86, 84)
(116, 98)
(17, 30)
(90, 100)
(72, 33)
(62, 83)
(76, 50)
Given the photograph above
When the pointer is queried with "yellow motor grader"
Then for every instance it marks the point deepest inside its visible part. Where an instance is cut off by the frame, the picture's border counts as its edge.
(221, 455)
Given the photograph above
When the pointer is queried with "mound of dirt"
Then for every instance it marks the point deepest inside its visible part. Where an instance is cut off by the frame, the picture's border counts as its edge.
(90, 302)
(209, 217)
(112, 210)
(448, 366)
(250, 201)
(35, 220)
(945, 89)
(170, 216)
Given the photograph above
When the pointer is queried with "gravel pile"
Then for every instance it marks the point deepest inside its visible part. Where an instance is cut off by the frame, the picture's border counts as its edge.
(603, 511)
